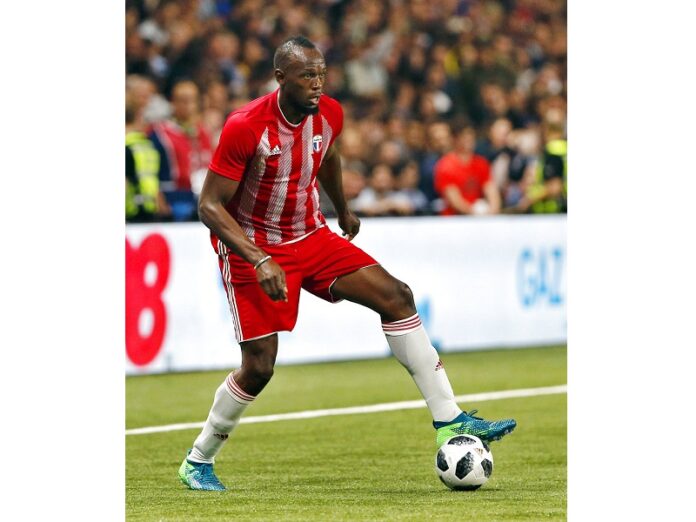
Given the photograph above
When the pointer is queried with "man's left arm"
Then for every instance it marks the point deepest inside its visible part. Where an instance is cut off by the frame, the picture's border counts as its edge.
(329, 176)
(490, 190)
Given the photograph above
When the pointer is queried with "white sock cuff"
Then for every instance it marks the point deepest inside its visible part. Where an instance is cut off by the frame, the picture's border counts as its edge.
(402, 326)
(236, 392)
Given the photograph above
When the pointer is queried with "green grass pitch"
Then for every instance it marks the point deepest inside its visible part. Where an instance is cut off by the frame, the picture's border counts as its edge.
(377, 466)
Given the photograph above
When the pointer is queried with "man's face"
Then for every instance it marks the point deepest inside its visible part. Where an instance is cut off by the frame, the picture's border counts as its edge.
(440, 137)
(466, 141)
(185, 101)
(303, 79)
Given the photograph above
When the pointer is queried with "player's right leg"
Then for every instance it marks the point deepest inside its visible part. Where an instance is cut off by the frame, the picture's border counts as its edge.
(232, 397)
(256, 320)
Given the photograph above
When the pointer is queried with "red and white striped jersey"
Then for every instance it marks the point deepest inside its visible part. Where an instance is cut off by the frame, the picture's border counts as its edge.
(276, 164)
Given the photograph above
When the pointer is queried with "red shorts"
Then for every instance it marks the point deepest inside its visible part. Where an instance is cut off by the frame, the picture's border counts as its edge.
(313, 263)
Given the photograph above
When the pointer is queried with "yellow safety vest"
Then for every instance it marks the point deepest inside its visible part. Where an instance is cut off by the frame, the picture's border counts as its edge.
(147, 163)
(550, 206)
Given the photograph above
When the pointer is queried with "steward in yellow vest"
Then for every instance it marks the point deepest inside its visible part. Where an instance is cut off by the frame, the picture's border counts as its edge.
(549, 192)
(142, 183)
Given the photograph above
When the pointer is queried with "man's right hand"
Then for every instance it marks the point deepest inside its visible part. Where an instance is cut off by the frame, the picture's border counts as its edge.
(217, 191)
(272, 279)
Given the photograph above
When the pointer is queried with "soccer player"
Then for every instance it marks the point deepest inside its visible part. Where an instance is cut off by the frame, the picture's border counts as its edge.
(260, 200)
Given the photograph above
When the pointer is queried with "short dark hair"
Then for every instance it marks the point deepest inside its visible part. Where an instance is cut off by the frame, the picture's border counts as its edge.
(460, 125)
(287, 48)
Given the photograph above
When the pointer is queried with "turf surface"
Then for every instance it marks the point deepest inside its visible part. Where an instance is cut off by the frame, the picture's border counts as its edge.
(353, 467)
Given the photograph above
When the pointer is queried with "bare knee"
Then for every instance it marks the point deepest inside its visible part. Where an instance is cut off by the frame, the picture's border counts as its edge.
(258, 360)
(405, 296)
(261, 370)
(399, 303)
(375, 288)
(254, 374)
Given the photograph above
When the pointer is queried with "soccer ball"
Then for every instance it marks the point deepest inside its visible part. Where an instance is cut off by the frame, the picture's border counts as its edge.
(464, 463)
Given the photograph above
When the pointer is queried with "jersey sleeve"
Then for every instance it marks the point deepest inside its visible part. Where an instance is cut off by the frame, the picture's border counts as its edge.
(236, 148)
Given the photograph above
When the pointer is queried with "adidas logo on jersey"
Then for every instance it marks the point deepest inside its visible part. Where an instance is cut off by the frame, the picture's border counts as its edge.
(275, 150)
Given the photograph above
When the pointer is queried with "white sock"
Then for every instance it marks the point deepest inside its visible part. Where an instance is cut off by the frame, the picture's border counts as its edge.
(228, 406)
(410, 345)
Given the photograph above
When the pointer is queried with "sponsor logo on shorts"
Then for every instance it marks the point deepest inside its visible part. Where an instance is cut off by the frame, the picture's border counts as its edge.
(439, 365)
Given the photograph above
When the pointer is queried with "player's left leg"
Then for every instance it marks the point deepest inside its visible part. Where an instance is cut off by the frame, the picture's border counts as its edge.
(392, 299)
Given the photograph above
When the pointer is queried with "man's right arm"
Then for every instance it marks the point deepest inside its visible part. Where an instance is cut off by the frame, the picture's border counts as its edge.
(455, 200)
(446, 186)
(217, 191)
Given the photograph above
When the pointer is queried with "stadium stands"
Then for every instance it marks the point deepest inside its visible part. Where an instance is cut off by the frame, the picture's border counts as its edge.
(404, 71)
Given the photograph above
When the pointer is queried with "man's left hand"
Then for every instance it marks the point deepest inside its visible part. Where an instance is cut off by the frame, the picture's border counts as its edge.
(350, 224)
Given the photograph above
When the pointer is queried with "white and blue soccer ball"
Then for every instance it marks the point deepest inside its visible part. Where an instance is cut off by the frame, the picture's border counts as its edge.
(464, 463)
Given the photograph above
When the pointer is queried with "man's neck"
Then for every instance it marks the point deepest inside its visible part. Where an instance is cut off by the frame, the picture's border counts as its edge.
(465, 156)
(188, 123)
(291, 114)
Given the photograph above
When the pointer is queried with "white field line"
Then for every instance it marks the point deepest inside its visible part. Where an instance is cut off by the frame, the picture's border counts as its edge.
(372, 408)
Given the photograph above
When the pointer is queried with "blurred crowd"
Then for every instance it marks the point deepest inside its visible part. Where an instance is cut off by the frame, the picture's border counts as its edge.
(451, 106)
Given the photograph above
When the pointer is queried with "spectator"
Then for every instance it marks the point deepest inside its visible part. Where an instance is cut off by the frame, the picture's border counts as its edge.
(464, 181)
(523, 148)
(143, 93)
(405, 101)
(439, 89)
(548, 191)
(353, 182)
(403, 71)
(222, 59)
(144, 201)
(213, 120)
(216, 108)
(393, 154)
(184, 53)
(353, 148)
(217, 97)
(185, 148)
(496, 150)
(379, 198)
(407, 185)
(439, 143)
(495, 103)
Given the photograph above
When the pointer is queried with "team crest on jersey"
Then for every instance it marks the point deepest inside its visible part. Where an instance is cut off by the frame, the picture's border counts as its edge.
(316, 143)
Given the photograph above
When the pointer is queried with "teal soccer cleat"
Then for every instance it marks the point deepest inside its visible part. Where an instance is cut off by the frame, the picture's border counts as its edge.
(466, 423)
(199, 476)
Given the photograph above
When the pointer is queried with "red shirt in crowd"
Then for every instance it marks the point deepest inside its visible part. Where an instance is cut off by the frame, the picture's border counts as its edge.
(186, 151)
(469, 177)
(276, 163)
